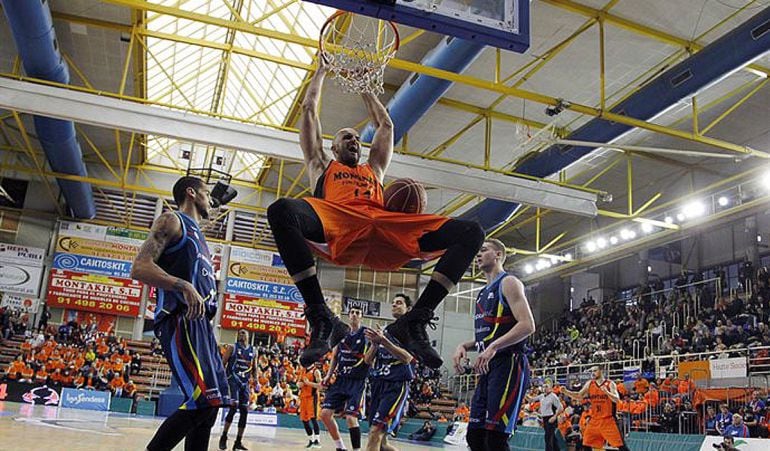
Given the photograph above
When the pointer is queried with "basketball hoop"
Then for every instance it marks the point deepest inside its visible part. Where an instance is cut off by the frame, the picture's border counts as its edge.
(357, 50)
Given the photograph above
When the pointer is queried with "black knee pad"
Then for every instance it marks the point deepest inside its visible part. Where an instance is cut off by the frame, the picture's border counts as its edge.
(280, 212)
(242, 418)
(476, 439)
(497, 441)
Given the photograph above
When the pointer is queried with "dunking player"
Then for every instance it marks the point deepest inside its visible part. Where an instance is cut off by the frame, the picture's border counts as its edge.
(503, 321)
(392, 371)
(176, 260)
(346, 216)
(241, 361)
(603, 394)
(347, 393)
(309, 401)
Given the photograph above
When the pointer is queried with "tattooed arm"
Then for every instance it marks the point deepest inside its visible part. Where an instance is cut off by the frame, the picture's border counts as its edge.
(165, 230)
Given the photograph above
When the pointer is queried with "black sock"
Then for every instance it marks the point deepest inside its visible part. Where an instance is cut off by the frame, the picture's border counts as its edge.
(316, 430)
(311, 290)
(355, 437)
(431, 296)
(308, 431)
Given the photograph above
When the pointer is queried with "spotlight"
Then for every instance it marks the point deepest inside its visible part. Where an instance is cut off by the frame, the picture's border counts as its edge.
(546, 264)
(539, 265)
(647, 228)
(668, 220)
(529, 269)
(571, 289)
(560, 106)
(613, 240)
(694, 209)
(625, 234)
(765, 179)
(590, 246)
(649, 269)
(759, 238)
(601, 243)
(631, 234)
(680, 217)
(568, 256)
(723, 201)
(554, 260)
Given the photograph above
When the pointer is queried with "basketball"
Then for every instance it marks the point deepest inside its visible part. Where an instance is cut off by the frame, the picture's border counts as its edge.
(405, 196)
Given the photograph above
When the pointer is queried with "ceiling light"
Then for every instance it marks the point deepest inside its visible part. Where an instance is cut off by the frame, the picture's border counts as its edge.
(759, 238)
(613, 240)
(601, 242)
(765, 179)
(680, 217)
(647, 228)
(694, 209)
(649, 269)
(723, 201)
(554, 260)
(539, 265)
(625, 234)
(568, 256)
(529, 269)
(631, 234)
(669, 220)
(544, 264)
(590, 246)
(571, 289)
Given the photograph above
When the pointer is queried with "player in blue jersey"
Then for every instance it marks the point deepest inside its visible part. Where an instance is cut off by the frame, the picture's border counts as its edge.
(392, 371)
(346, 394)
(503, 321)
(241, 367)
(175, 258)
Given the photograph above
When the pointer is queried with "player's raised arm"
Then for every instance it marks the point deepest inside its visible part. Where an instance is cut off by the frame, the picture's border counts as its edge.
(577, 395)
(310, 136)
(381, 150)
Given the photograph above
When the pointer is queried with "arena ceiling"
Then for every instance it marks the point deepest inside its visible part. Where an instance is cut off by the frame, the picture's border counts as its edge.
(219, 58)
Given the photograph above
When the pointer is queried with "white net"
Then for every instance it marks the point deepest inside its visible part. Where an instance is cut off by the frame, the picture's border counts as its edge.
(357, 49)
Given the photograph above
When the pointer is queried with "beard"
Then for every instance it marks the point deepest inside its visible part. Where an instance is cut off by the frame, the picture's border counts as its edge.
(203, 211)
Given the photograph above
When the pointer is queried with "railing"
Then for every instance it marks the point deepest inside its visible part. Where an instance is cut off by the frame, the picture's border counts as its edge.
(758, 363)
(161, 379)
(463, 386)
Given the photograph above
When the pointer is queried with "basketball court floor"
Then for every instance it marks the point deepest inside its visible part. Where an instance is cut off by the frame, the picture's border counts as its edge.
(28, 427)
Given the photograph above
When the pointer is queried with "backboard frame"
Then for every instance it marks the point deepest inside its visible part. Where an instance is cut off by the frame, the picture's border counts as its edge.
(515, 41)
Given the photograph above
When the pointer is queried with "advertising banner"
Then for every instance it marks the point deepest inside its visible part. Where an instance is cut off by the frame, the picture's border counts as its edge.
(28, 393)
(263, 315)
(21, 255)
(369, 308)
(743, 444)
(24, 304)
(259, 274)
(457, 436)
(94, 293)
(631, 373)
(698, 370)
(20, 279)
(85, 399)
(92, 265)
(727, 368)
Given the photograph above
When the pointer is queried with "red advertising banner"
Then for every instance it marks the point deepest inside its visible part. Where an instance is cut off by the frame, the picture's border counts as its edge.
(94, 293)
(263, 315)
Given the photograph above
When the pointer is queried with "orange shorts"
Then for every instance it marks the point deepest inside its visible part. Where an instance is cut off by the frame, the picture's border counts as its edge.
(601, 430)
(372, 236)
(308, 408)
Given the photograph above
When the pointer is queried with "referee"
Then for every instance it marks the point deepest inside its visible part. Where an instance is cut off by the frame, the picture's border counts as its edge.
(550, 409)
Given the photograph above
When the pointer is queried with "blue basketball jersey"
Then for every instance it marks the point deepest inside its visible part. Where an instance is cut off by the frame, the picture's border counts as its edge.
(494, 317)
(190, 260)
(387, 367)
(350, 355)
(241, 362)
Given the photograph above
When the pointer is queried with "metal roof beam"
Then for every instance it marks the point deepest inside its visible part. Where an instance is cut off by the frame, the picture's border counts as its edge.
(107, 112)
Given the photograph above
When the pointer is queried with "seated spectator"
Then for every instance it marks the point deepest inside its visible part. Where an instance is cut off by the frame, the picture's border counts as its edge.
(13, 372)
(41, 376)
(462, 413)
(129, 390)
(710, 422)
(641, 385)
(27, 375)
(291, 408)
(116, 385)
(425, 433)
(67, 378)
(724, 418)
(136, 363)
(737, 428)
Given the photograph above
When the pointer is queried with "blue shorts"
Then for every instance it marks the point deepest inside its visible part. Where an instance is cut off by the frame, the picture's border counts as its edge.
(239, 392)
(388, 402)
(195, 361)
(496, 403)
(345, 395)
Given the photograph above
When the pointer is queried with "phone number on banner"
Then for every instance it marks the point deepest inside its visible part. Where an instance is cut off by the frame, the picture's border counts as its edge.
(263, 315)
(94, 293)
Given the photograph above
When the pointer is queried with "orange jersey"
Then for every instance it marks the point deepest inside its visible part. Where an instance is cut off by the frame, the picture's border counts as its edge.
(641, 386)
(601, 404)
(307, 376)
(349, 185)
